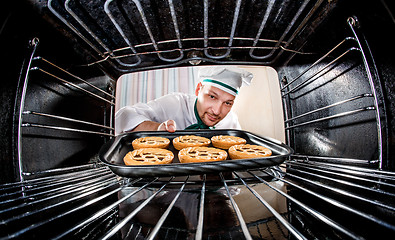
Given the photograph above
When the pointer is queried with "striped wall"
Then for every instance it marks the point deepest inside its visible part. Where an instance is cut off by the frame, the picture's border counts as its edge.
(148, 85)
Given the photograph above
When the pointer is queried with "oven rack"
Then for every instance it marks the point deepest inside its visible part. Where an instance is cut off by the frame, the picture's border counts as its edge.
(45, 70)
(124, 49)
(294, 88)
(76, 87)
(46, 199)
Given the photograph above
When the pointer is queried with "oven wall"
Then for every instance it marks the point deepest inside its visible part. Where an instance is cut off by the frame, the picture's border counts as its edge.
(43, 149)
(354, 136)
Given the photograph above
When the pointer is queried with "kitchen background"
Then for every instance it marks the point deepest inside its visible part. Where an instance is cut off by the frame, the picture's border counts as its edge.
(262, 94)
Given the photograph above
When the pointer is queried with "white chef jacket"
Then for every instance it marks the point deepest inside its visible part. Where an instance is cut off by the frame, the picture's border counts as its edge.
(175, 106)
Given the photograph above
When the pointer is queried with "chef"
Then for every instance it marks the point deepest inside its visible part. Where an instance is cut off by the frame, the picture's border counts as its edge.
(209, 108)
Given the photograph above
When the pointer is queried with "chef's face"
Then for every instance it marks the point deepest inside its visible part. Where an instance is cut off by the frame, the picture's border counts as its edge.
(213, 104)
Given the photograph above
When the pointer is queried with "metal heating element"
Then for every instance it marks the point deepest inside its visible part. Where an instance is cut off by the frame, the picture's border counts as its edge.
(130, 35)
(309, 196)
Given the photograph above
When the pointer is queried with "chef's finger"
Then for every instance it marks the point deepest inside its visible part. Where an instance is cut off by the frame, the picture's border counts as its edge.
(170, 126)
(162, 127)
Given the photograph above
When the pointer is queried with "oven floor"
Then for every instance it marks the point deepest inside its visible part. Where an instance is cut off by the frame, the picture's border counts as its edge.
(220, 219)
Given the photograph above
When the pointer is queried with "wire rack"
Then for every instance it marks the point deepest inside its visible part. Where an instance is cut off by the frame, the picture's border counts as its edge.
(301, 199)
(365, 98)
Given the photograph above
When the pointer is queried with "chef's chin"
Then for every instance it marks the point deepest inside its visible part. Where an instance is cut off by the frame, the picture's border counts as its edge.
(210, 123)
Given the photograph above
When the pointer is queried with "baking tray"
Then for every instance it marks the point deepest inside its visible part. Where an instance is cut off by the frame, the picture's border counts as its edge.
(112, 154)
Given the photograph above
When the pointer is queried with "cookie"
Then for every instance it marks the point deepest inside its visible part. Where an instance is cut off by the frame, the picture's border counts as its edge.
(248, 151)
(148, 156)
(226, 141)
(190, 141)
(150, 142)
(201, 154)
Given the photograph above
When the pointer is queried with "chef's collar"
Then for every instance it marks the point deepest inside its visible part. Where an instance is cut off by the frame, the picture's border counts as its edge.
(200, 124)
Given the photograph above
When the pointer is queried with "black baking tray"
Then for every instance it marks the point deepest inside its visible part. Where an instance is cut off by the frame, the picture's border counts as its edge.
(112, 154)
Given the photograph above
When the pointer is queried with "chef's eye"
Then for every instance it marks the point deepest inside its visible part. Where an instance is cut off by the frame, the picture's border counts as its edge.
(212, 96)
(228, 103)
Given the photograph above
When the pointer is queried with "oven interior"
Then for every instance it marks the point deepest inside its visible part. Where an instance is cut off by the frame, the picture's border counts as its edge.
(61, 61)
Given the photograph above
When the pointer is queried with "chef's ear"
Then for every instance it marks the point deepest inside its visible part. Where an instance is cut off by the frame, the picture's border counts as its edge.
(198, 88)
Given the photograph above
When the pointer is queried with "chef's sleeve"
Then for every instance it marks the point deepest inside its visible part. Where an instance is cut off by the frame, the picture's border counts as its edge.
(158, 110)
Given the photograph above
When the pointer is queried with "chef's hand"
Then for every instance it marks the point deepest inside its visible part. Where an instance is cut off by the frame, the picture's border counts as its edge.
(168, 125)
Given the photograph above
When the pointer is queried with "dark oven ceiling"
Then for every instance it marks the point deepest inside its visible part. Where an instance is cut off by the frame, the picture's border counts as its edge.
(131, 35)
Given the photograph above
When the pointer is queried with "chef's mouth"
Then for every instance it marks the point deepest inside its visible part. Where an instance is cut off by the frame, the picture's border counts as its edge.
(212, 118)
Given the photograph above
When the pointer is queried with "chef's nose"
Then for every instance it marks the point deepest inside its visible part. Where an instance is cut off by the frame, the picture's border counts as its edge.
(217, 107)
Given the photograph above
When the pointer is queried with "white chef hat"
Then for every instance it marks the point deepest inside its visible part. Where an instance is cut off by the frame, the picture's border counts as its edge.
(228, 79)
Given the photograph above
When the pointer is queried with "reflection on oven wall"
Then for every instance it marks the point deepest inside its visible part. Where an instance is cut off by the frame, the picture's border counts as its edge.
(257, 106)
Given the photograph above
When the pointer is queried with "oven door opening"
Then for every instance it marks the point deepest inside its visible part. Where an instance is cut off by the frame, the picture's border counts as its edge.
(321, 97)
